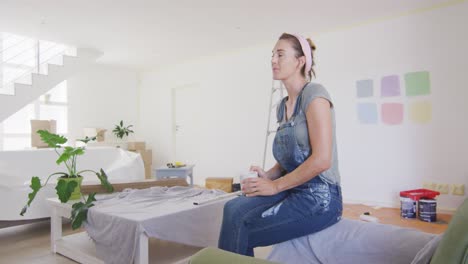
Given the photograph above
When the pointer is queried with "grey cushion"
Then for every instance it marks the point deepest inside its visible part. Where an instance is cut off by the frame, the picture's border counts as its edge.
(351, 241)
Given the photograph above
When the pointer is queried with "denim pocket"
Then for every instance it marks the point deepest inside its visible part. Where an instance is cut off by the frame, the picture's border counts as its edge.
(312, 198)
(286, 149)
(320, 193)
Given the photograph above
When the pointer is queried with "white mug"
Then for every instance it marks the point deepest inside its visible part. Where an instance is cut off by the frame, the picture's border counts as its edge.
(249, 174)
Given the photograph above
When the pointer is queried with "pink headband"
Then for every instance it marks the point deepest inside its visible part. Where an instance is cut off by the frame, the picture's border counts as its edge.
(306, 50)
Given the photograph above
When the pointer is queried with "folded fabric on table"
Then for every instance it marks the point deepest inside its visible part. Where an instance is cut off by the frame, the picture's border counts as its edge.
(116, 221)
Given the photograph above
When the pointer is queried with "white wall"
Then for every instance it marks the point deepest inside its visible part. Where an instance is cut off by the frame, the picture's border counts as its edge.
(376, 161)
(234, 108)
(101, 97)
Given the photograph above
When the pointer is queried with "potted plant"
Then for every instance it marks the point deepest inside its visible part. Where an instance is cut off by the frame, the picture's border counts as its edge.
(69, 183)
(120, 131)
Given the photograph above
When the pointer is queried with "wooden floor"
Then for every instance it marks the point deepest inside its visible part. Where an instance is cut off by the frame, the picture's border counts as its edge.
(30, 243)
(391, 216)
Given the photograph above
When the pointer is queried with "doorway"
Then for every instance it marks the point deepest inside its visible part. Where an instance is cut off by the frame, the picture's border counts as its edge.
(187, 127)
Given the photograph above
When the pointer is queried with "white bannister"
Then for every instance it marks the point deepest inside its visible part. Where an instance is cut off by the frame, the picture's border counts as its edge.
(20, 56)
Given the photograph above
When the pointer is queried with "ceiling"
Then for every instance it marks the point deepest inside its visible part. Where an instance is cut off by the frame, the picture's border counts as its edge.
(145, 34)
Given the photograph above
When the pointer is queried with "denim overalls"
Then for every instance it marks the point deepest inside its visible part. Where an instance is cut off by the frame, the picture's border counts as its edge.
(250, 222)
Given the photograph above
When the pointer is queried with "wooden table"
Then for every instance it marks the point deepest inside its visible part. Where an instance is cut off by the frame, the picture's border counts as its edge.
(78, 246)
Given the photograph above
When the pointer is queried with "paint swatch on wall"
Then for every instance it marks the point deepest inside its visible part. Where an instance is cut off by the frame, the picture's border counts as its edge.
(390, 86)
(417, 83)
(392, 113)
(367, 113)
(420, 112)
(364, 88)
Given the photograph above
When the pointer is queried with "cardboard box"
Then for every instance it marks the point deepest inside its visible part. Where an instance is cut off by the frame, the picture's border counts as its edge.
(147, 156)
(224, 184)
(49, 125)
(99, 133)
(136, 145)
(148, 172)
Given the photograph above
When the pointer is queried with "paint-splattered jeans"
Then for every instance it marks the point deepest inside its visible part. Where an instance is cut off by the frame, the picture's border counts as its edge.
(250, 222)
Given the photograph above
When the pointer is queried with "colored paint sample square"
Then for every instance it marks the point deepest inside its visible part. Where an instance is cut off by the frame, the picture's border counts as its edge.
(420, 112)
(417, 83)
(390, 86)
(364, 88)
(392, 113)
(367, 113)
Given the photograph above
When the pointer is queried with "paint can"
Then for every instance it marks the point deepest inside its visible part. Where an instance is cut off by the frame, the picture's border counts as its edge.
(427, 210)
(408, 207)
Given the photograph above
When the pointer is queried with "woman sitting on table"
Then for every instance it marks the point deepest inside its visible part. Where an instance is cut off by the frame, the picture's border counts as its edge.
(301, 193)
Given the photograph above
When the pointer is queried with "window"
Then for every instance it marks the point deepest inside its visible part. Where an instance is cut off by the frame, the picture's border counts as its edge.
(15, 131)
(19, 56)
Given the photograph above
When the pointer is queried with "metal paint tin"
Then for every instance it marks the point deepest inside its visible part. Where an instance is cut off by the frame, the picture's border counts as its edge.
(427, 210)
(408, 207)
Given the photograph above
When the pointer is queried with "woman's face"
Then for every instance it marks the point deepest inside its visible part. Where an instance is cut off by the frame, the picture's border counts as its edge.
(284, 63)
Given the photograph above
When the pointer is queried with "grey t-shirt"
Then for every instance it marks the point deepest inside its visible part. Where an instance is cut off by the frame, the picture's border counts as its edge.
(310, 92)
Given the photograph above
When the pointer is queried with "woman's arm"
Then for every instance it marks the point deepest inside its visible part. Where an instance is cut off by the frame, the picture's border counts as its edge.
(319, 124)
(275, 172)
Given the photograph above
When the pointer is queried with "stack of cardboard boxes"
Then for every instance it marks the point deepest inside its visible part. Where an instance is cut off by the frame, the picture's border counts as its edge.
(224, 184)
(49, 125)
(146, 155)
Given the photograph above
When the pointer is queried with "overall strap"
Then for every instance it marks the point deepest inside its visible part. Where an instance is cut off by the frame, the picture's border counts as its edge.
(280, 114)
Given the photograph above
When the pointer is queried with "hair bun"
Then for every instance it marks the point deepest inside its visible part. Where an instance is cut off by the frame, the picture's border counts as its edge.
(311, 43)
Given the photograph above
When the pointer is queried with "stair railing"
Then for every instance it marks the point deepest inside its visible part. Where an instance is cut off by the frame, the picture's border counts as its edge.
(22, 56)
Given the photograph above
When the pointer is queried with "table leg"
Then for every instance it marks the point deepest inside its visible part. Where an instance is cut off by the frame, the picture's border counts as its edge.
(142, 254)
(55, 229)
(191, 178)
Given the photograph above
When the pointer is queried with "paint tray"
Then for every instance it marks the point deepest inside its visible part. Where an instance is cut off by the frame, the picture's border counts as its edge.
(419, 194)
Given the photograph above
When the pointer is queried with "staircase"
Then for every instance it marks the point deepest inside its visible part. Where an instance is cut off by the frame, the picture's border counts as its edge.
(21, 90)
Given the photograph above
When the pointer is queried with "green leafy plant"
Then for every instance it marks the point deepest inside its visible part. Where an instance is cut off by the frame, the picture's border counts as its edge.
(68, 156)
(120, 130)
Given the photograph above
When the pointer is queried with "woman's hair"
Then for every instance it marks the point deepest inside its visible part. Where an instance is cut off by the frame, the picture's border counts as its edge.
(297, 47)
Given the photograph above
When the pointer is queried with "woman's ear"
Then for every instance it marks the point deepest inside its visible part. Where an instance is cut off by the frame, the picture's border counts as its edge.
(302, 62)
